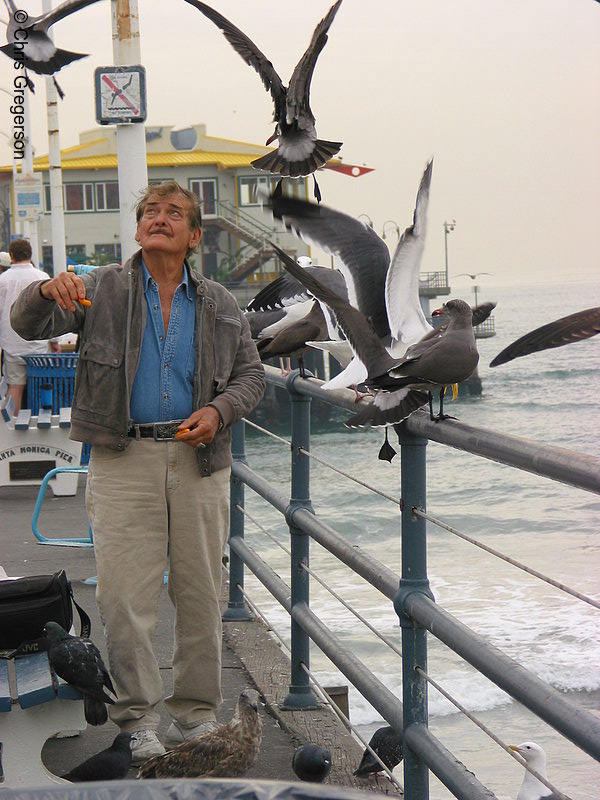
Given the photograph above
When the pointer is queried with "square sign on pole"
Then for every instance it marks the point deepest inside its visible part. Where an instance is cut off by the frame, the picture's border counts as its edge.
(120, 94)
(28, 196)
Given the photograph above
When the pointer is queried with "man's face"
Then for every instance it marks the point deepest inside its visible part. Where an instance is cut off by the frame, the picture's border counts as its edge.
(165, 227)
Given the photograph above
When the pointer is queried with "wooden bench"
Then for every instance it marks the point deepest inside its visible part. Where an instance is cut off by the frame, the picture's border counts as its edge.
(34, 706)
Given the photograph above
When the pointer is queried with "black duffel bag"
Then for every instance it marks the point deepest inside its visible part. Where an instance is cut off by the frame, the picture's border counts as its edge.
(27, 604)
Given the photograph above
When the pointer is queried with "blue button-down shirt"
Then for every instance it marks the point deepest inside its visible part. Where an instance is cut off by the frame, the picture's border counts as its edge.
(164, 383)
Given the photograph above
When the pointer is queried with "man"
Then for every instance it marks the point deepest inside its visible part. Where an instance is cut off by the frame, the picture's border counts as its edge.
(158, 343)
(12, 281)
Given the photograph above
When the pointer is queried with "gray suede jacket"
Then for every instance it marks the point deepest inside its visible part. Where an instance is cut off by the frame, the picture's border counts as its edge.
(229, 374)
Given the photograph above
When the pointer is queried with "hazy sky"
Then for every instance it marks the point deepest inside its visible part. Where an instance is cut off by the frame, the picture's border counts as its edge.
(504, 94)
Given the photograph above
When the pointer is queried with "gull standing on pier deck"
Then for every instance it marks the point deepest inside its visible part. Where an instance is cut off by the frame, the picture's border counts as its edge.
(299, 151)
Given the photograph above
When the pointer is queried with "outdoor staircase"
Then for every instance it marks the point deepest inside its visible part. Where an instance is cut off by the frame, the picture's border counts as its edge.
(257, 249)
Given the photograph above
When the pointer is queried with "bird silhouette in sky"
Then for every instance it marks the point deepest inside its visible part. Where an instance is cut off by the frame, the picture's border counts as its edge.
(29, 43)
(299, 151)
(78, 661)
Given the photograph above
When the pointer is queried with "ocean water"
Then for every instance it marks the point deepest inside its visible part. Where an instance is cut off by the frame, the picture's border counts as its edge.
(549, 397)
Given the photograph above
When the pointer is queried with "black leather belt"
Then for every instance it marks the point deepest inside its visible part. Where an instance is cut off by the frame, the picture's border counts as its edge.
(159, 431)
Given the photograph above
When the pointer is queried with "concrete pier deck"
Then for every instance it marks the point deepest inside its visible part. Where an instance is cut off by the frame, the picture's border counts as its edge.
(250, 655)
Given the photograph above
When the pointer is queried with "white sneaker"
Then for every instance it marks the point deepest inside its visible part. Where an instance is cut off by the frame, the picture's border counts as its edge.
(145, 745)
(177, 734)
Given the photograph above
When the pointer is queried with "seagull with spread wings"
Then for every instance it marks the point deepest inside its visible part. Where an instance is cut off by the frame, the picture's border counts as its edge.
(33, 47)
(401, 385)
(299, 151)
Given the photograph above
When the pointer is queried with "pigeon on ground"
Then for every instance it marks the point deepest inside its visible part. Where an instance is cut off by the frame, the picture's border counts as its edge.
(532, 788)
(227, 752)
(388, 746)
(299, 151)
(401, 385)
(111, 764)
(311, 763)
(29, 43)
(566, 330)
(78, 661)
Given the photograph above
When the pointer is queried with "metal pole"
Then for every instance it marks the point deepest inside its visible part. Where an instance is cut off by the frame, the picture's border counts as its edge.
(131, 137)
(236, 608)
(413, 579)
(300, 694)
(30, 227)
(57, 214)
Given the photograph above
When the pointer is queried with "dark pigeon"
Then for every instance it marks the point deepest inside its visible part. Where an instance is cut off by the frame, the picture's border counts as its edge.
(78, 661)
(388, 746)
(299, 151)
(311, 763)
(111, 764)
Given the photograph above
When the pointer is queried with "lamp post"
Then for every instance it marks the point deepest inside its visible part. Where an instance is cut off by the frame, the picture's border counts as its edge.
(396, 226)
(367, 218)
(448, 226)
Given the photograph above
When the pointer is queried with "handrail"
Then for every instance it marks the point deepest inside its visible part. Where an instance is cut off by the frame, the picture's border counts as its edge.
(409, 592)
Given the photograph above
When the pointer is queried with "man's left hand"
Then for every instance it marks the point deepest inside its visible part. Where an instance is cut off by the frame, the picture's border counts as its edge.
(202, 427)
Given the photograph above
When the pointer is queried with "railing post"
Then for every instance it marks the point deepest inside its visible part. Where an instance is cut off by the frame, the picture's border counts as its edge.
(413, 579)
(236, 608)
(300, 694)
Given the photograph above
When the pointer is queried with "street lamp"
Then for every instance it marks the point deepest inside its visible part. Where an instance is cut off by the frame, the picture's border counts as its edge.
(368, 219)
(396, 226)
(448, 226)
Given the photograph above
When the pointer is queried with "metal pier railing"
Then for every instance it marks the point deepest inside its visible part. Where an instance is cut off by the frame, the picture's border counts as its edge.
(410, 592)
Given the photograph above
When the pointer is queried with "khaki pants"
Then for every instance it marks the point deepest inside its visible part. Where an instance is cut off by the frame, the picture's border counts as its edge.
(146, 505)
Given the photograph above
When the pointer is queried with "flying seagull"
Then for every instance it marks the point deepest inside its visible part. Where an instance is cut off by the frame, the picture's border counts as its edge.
(227, 752)
(532, 788)
(311, 763)
(401, 385)
(299, 151)
(386, 292)
(29, 43)
(566, 330)
(388, 746)
(78, 661)
(284, 316)
(111, 764)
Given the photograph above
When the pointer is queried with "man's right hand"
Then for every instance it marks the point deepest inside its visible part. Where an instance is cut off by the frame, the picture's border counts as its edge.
(66, 288)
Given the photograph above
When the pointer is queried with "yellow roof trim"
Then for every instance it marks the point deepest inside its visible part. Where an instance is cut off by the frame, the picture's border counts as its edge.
(177, 159)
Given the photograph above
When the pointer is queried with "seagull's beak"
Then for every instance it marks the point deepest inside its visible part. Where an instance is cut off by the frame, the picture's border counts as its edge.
(514, 747)
(438, 311)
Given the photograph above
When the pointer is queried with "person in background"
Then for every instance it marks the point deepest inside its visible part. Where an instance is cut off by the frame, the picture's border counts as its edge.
(166, 366)
(4, 261)
(12, 281)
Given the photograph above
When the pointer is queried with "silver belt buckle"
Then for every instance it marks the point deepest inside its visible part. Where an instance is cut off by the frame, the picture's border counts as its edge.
(165, 431)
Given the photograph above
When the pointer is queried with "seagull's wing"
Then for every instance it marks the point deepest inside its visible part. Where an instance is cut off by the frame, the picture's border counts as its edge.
(299, 87)
(286, 290)
(364, 257)
(246, 48)
(361, 337)
(482, 311)
(406, 318)
(574, 328)
(62, 11)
